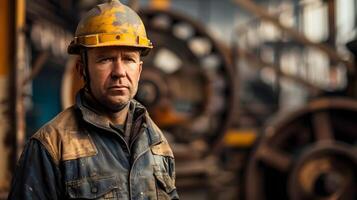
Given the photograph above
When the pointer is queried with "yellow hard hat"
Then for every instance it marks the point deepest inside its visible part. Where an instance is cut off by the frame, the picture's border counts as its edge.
(110, 24)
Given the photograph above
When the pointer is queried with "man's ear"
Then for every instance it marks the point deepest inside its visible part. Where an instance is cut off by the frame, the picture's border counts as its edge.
(80, 68)
(140, 66)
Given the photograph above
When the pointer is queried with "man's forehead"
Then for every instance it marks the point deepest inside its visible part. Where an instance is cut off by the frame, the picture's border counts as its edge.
(114, 49)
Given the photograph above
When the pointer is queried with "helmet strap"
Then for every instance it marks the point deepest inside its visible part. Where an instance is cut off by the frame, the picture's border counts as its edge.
(84, 55)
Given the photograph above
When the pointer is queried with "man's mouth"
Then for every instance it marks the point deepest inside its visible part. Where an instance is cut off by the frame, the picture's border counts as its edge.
(119, 87)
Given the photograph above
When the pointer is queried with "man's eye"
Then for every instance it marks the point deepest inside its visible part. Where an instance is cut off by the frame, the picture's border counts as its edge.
(105, 60)
(129, 59)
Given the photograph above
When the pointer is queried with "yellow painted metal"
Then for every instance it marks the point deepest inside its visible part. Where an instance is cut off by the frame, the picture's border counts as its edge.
(160, 4)
(110, 24)
(20, 14)
(4, 76)
(240, 137)
(6, 59)
(4, 37)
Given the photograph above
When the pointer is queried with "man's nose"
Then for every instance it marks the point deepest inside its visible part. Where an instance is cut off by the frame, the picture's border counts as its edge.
(118, 69)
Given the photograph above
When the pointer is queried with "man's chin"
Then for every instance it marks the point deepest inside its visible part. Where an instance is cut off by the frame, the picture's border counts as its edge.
(117, 106)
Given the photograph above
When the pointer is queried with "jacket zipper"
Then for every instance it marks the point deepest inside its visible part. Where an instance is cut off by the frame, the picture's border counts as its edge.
(142, 129)
(127, 146)
(132, 166)
(110, 130)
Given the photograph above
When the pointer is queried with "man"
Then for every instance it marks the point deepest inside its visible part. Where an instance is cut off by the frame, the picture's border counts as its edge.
(105, 146)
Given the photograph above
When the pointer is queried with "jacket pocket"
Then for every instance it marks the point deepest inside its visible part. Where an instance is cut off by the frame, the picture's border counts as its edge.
(93, 188)
(165, 185)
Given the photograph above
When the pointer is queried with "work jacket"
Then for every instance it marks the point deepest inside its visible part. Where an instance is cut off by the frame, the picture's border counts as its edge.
(79, 155)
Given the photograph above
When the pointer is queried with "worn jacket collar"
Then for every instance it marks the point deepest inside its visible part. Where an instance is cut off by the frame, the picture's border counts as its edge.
(92, 115)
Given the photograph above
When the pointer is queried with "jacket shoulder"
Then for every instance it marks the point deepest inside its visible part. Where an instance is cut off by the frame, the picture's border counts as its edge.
(63, 138)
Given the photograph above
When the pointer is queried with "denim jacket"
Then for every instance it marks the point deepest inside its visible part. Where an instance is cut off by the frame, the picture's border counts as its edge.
(77, 155)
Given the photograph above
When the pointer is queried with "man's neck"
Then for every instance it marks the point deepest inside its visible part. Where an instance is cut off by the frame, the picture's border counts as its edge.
(118, 117)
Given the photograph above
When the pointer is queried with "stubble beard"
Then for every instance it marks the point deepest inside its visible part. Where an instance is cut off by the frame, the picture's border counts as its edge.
(116, 106)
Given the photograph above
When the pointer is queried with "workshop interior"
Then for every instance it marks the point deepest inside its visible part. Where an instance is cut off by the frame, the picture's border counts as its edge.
(257, 98)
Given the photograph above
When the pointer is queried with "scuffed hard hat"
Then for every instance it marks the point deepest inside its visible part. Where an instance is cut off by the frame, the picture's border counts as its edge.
(110, 24)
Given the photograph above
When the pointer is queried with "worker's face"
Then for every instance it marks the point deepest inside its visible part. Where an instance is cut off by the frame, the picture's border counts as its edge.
(114, 75)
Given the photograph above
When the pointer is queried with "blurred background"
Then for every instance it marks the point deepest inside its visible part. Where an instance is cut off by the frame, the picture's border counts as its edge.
(256, 97)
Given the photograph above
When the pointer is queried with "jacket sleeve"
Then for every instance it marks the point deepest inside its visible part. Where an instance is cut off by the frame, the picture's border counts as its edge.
(36, 175)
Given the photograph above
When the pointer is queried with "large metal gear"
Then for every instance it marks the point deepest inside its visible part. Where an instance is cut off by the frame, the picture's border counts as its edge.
(187, 80)
(310, 154)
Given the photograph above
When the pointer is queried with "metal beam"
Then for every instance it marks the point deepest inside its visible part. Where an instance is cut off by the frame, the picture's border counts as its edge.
(6, 107)
(257, 62)
(18, 73)
(12, 63)
(264, 15)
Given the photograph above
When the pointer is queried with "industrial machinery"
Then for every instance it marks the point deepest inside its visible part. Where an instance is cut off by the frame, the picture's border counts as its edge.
(309, 154)
(187, 82)
(188, 85)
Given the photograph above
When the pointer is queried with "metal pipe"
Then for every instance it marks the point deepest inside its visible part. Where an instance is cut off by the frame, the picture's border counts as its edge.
(18, 73)
(331, 5)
